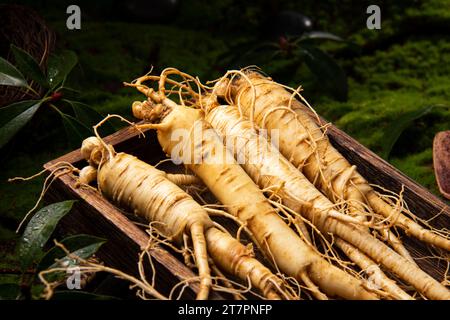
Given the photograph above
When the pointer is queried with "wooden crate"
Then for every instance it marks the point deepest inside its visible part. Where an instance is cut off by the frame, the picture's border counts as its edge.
(94, 215)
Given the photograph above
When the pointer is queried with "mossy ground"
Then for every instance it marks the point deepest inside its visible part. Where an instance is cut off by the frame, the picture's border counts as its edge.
(399, 69)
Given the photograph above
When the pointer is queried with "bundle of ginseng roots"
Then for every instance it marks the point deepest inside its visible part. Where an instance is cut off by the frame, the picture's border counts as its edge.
(319, 229)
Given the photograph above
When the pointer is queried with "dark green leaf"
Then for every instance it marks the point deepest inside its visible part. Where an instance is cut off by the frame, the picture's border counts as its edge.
(251, 53)
(329, 74)
(9, 291)
(89, 116)
(13, 110)
(39, 230)
(80, 295)
(28, 65)
(71, 243)
(59, 66)
(393, 132)
(14, 117)
(10, 76)
(68, 262)
(82, 253)
(75, 130)
(320, 35)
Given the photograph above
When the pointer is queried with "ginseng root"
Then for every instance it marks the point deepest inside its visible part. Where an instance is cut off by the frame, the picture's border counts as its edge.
(307, 146)
(271, 171)
(178, 128)
(138, 186)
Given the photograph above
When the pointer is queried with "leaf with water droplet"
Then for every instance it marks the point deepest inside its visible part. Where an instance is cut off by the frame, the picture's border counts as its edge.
(330, 75)
(39, 230)
(73, 244)
(28, 65)
(14, 117)
(71, 261)
(82, 253)
(10, 76)
(59, 66)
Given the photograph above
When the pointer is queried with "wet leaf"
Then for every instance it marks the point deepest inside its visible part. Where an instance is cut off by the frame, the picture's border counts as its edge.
(329, 74)
(71, 243)
(14, 117)
(39, 230)
(59, 66)
(82, 253)
(26, 63)
(68, 262)
(322, 35)
(394, 131)
(89, 116)
(75, 130)
(10, 76)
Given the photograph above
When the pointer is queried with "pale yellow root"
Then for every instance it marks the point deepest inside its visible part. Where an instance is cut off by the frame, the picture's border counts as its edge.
(140, 187)
(183, 179)
(312, 287)
(87, 175)
(410, 227)
(304, 143)
(233, 188)
(228, 284)
(267, 166)
(396, 244)
(373, 271)
(201, 258)
(402, 267)
(135, 185)
(235, 258)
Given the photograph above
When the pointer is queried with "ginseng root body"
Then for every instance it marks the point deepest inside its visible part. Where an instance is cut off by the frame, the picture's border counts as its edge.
(147, 192)
(267, 167)
(304, 143)
(230, 184)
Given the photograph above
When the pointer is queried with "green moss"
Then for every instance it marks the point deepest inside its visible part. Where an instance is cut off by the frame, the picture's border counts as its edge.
(430, 9)
(419, 168)
(9, 278)
(418, 60)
